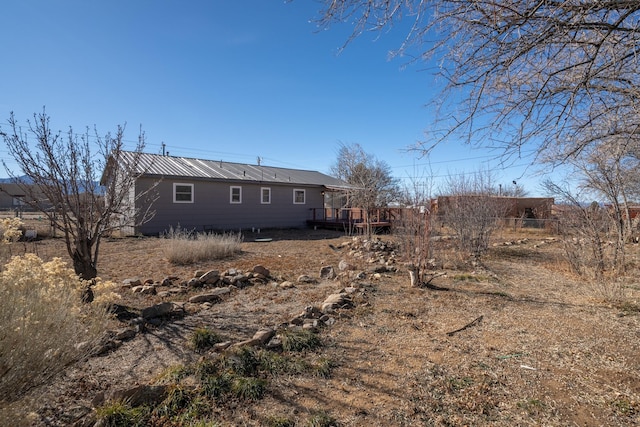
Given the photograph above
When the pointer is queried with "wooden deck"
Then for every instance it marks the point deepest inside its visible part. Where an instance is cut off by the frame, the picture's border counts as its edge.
(351, 220)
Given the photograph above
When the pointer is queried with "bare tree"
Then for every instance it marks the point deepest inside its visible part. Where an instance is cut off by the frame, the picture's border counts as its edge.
(373, 186)
(66, 171)
(471, 210)
(413, 229)
(584, 229)
(558, 75)
(609, 173)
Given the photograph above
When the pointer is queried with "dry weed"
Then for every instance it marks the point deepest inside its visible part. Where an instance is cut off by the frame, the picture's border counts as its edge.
(184, 248)
(42, 323)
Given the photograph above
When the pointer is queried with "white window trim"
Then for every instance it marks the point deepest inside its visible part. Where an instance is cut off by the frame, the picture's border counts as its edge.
(231, 188)
(304, 194)
(262, 189)
(175, 184)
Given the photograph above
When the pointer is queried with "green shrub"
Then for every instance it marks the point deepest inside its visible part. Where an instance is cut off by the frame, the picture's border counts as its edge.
(43, 324)
(323, 367)
(216, 387)
(119, 414)
(177, 401)
(184, 248)
(299, 340)
(272, 363)
(249, 388)
(203, 339)
(243, 361)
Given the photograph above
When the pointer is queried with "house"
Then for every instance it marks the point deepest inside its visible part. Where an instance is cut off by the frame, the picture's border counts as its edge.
(14, 196)
(211, 195)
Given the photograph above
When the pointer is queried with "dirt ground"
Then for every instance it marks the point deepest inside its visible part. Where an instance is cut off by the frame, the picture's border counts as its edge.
(540, 347)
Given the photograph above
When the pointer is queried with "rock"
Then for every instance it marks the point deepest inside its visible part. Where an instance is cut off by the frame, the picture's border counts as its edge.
(211, 296)
(335, 301)
(210, 277)
(262, 271)
(247, 343)
(343, 265)
(310, 324)
(264, 335)
(161, 310)
(221, 346)
(167, 282)
(287, 285)
(208, 297)
(329, 321)
(239, 280)
(144, 290)
(128, 283)
(306, 279)
(327, 272)
(194, 283)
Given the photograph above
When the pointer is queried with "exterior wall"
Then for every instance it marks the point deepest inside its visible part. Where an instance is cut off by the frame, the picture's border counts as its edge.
(212, 210)
(9, 202)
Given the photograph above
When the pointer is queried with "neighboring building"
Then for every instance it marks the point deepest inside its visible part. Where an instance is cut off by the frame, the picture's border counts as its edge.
(209, 195)
(14, 197)
(511, 207)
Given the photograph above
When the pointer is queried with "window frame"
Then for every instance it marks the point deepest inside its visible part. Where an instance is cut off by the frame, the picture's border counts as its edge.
(191, 192)
(304, 196)
(262, 194)
(231, 200)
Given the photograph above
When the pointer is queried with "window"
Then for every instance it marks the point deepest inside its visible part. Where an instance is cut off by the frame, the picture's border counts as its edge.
(18, 201)
(235, 194)
(182, 193)
(265, 195)
(298, 197)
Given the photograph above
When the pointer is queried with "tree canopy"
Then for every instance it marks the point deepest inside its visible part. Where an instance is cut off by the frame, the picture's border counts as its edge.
(373, 185)
(553, 77)
(66, 169)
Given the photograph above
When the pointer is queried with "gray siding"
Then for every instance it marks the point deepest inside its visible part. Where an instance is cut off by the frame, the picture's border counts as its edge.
(212, 210)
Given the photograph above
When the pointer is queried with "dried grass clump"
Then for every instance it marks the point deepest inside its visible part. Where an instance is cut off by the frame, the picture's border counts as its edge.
(185, 248)
(42, 322)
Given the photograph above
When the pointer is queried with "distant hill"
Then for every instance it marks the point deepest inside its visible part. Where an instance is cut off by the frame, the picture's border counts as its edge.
(25, 179)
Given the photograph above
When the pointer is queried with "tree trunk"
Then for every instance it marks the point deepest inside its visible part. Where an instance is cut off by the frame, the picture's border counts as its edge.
(83, 263)
(414, 275)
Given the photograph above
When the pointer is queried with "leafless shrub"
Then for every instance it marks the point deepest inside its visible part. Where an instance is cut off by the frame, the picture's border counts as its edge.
(589, 248)
(414, 230)
(471, 211)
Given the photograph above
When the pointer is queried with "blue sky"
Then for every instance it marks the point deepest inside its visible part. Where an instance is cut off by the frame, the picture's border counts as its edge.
(230, 80)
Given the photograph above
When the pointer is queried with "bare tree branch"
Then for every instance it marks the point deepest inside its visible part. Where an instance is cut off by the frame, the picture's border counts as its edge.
(65, 170)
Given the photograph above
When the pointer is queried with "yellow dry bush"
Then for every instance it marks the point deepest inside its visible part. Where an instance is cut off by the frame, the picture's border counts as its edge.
(11, 229)
(105, 292)
(43, 324)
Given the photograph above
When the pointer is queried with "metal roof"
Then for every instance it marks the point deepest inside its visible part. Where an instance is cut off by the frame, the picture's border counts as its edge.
(184, 167)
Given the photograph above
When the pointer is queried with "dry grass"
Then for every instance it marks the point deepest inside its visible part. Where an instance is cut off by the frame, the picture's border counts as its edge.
(550, 350)
(185, 248)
